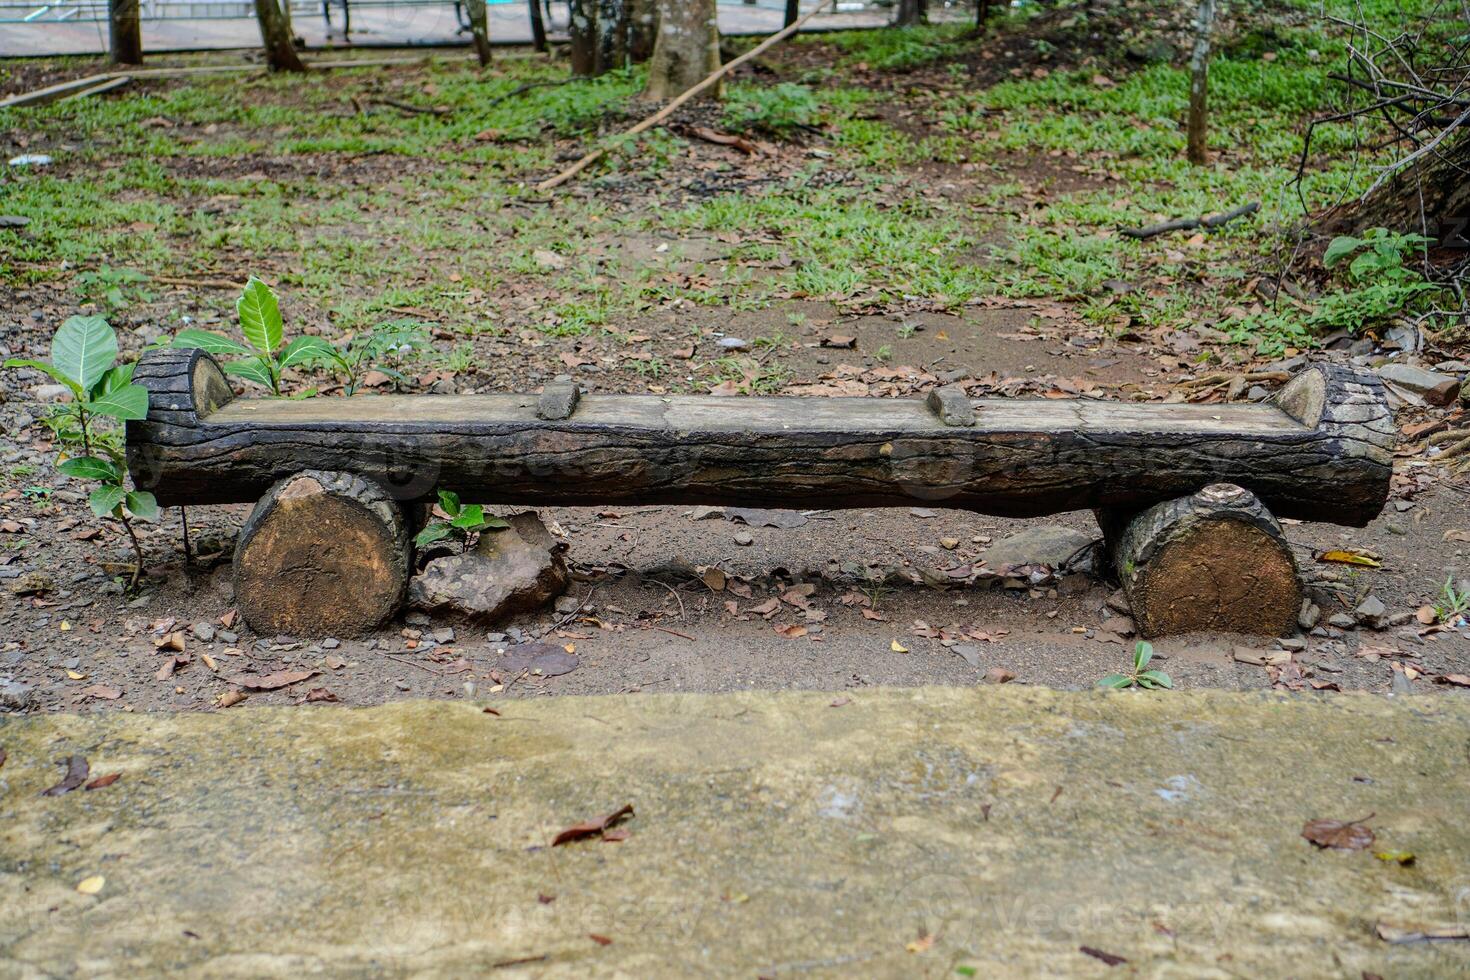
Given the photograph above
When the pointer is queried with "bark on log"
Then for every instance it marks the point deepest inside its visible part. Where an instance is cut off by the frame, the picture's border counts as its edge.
(1215, 561)
(322, 554)
(1323, 452)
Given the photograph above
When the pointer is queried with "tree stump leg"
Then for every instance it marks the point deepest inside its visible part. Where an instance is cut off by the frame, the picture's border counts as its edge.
(1215, 561)
(322, 554)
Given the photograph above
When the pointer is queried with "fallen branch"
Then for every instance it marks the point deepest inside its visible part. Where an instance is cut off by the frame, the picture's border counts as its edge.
(1217, 380)
(409, 107)
(691, 93)
(199, 283)
(523, 89)
(1210, 222)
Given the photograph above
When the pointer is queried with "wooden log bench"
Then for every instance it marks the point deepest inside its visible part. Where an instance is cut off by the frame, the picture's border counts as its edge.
(337, 540)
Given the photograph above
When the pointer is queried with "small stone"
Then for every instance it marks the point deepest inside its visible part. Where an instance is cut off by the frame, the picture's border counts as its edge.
(401, 685)
(517, 569)
(52, 393)
(744, 539)
(548, 260)
(1342, 621)
(330, 643)
(1370, 611)
(1309, 615)
(15, 696)
(969, 651)
(949, 544)
(1293, 643)
(1055, 547)
(733, 344)
(443, 636)
(225, 636)
(203, 632)
(1433, 387)
(568, 604)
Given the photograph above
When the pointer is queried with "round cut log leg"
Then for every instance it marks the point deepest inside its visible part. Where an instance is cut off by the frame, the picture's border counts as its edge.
(1213, 561)
(322, 554)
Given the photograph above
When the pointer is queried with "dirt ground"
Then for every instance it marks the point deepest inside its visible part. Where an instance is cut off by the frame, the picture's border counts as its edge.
(647, 620)
(645, 615)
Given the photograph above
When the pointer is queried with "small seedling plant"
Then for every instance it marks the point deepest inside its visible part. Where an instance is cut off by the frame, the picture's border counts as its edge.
(463, 520)
(1453, 602)
(264, 359)
(1141, 676)
(84, 359)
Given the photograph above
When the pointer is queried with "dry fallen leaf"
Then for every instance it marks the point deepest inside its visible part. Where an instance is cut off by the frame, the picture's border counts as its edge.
(920, 945)
(599, 940)
(105, 692)
(102, 782)
(791, 630)
(1459, 680)
(1352, 835)
(92, 885)
(1427, 615)
(231, 698)
(898, 647)
(591, 828)
(1350, 558)
(76, 774)
(271, 682)
(1111, 959)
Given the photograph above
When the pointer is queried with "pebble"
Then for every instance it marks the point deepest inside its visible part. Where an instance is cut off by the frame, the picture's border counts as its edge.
(568, 604)
(203, 632)
(1293, 643)
(733, 343)
(744, 539)
(1342, 621)
(443, 636)
(1370, 611)
(225, 636)
(1309, 615)
(330, 643)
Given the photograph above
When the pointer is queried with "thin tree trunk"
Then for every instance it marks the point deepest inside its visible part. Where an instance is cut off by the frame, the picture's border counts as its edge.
(792, 12)
(642, 29)
(687, 50)
(1199, 84)
(912, 12)
(124, 32)
(479, 29)
(538, 25)
(275, 33)
(982, 14)
(612, 36)
(583, 31)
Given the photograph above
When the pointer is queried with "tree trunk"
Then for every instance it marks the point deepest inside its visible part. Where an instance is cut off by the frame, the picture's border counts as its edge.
(583, 31)
(1199, 84)
(793, 10)
(912, 12)
(275, 33)
(322, 554)
(982, 14)
(124, 32)
(538, 25)
(687, 49)
(479, 29)
(612, 37)
(642, 29)
(1212, 561)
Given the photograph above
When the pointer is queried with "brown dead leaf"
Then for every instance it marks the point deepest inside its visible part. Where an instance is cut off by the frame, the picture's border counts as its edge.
(872, 614)
(766, 609)
(922, 944)
(170, 642)
(272, 682)
(725, 139)
(839, 341)
(1351, 835)
(102, 782)
(599, 940)
(714, 578)
(1458, 680)
(231, 698)
(592, 828)
(1462, 537)
(321, 694)
(1111, 959)
(76, 774)
(1427, 615)
(791, 631)
(104, 692)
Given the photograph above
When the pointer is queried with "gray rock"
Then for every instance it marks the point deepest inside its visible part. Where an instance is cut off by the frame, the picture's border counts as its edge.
(733, 343)
(225, 636)
(1342, 621)
(1052, 546)
(15, 696)
(568, 604)
(52, 393)
(1433, 387)
(514, 570)
(203, 632)
(969, 651)
(1370, 611)
(1293, 643)
(744, 539)
(1309, 615)
(443, 636)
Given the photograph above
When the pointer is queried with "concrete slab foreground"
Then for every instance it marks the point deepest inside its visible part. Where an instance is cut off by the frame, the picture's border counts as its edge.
(901, 833)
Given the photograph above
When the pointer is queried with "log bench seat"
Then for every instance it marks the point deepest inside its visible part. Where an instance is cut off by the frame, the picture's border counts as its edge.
(1321, 450)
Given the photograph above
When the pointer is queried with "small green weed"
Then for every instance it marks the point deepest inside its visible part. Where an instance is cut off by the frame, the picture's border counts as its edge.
(1141, 676)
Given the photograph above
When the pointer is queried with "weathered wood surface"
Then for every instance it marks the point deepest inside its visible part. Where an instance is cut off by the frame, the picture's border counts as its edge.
(1323, 454)
(322, 553)
(1215, 560)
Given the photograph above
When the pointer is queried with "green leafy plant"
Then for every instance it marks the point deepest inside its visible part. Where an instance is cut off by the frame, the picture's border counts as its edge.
(115, 287)
(775, 109)
(1141, 676)
(387, 348)
(264, 360)
(463, 520)
(1452, 601)
(84, 359)
(1382, 284)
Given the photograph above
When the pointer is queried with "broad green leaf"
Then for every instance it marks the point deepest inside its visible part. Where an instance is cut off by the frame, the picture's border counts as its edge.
(130, 402)
(432, 533)
(18, 362)
(252, 369)
(1156, 677)
(449, 502)
(120, 376)
(1143, 652)
(208, 341)
(303, 350)
(493, 523)
(470, 517)
(1341, 248)
(83, 349)
(89, 468)
(1115, 680)
(104, 499)
(260, 316)
(142, 504)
